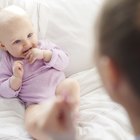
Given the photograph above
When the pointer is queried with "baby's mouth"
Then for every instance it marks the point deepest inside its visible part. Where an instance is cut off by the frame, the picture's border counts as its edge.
(25, 52)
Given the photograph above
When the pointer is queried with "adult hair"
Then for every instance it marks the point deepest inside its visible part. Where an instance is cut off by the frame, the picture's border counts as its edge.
(119, 37)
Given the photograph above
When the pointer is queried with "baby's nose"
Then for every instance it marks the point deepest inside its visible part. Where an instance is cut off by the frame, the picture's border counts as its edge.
(27, 44)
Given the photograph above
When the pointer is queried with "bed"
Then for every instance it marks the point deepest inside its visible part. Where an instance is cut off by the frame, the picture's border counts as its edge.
(70, 25)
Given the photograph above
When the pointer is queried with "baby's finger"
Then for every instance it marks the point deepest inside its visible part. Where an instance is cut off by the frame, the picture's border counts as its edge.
(18, 63)
(28, 55)
(32, 61)
(18, 68)
(21, 67)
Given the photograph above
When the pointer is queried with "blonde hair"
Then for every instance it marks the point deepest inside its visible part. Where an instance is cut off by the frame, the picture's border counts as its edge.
(10, 12)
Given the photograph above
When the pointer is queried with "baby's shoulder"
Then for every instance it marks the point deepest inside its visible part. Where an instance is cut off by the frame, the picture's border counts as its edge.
(46, 44)
(5, 56)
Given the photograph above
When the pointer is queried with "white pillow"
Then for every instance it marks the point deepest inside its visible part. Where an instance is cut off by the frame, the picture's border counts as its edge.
(68, 23)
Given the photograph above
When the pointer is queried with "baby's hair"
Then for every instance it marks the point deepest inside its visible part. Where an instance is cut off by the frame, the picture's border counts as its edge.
(10, 12)
(15, 10)
(118, 37)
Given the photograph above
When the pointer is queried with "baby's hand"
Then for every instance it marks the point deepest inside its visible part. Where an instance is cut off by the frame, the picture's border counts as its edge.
(16, 78)
(18, 69)
(34, 54)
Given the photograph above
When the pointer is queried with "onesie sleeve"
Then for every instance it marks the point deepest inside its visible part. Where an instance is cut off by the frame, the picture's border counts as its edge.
(59, 60)
(5, 74)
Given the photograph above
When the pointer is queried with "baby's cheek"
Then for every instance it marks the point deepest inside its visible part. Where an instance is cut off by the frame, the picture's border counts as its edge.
(16, 50)
(35, 42)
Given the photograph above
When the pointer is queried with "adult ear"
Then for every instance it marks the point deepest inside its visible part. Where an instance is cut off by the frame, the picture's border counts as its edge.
(110, 75)
(2, 46)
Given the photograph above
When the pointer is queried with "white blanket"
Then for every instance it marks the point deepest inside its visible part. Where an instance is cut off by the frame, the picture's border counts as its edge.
(100, 118)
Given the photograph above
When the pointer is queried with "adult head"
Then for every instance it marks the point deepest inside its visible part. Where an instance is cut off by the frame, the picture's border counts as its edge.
(118, 54)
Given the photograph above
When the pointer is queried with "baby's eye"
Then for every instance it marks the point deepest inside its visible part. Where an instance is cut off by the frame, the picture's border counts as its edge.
(17, 41)
(29, 35)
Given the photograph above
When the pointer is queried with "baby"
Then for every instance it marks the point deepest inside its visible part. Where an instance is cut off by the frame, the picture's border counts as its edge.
(32, 71)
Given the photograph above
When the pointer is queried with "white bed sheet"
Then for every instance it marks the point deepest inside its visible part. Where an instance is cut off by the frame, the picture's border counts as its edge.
(100, 118)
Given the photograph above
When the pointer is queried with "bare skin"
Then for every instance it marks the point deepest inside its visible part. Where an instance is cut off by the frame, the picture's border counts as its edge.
(119, 89)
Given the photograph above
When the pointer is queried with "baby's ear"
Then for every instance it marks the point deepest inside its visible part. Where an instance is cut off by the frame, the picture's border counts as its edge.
(2, 47)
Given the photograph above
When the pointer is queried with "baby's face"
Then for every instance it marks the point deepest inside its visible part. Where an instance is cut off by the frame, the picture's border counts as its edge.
(18, 37)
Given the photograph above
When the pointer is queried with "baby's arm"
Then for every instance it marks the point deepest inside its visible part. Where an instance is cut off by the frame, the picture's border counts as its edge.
(52, 55)
(9, 84)
(16, 78)
(56, 58)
